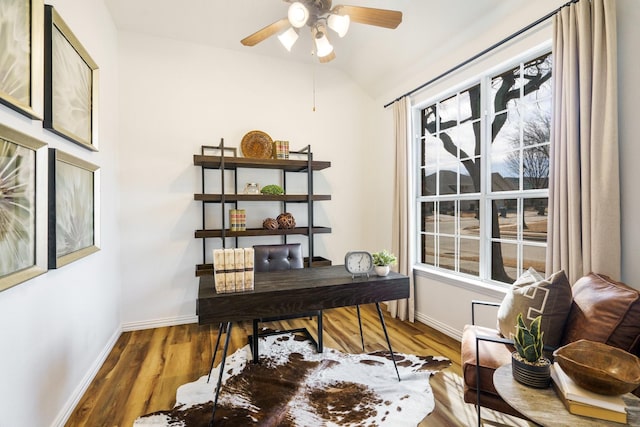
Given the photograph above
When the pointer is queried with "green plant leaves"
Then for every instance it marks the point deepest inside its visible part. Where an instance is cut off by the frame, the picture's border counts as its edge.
(272, 189)
(383, 257)
(528, 341)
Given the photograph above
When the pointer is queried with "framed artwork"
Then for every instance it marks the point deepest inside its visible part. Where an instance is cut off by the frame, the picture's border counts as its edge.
(23, 205)
(74, 218)
(21, 56)
(71, 84)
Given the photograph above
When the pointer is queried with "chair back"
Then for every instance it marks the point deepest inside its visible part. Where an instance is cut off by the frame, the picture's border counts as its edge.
(278, 257)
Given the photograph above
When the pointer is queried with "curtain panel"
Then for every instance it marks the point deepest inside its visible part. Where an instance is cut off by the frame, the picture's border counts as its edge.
(401, 219)
(584, 189)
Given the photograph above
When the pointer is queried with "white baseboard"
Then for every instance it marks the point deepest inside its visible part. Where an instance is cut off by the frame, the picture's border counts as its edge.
(74, 399)
(439, 326)
(80, 390)
(159, 323)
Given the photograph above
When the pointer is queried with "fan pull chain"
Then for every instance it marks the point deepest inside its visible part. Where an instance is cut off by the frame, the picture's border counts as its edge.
(313, 78)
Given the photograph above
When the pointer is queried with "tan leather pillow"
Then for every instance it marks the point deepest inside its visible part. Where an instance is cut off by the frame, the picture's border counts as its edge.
(549, 297)
(605, 311)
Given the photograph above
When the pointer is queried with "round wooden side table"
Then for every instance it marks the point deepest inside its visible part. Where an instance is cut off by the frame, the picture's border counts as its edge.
(544, 407)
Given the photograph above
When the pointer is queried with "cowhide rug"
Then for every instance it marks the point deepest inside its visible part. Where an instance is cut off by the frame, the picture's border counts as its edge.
(293, 386)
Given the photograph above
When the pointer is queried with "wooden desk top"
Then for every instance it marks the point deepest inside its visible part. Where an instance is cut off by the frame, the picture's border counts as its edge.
(544, 407)
(296, 291)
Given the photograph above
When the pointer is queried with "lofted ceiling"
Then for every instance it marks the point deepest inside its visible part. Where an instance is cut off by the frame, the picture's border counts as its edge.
(368, 54)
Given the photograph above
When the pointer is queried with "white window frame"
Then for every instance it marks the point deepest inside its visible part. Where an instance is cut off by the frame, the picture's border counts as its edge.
(485, 197)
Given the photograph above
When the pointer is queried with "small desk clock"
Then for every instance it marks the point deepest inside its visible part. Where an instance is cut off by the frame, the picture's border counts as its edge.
(358, 263)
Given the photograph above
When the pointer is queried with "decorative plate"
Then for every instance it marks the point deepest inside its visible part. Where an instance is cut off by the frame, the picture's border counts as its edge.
(257, 145)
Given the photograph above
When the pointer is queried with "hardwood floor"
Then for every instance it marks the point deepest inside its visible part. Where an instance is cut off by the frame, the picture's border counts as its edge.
(146, 367)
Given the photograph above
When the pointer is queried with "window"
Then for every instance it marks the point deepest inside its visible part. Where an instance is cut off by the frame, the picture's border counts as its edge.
(483, 173)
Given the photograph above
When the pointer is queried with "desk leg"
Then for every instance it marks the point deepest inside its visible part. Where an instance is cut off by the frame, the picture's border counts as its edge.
(386, 335)
(320, 347)
(215, 350)
(254, 342)
(360, 325)
(219, 385)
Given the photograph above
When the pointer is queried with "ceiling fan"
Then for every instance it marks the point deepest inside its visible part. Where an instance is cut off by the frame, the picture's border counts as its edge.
(318, 15)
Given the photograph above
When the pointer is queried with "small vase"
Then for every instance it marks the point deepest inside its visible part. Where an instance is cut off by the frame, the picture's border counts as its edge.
(382, 270)
(536, 375)
(251, 188)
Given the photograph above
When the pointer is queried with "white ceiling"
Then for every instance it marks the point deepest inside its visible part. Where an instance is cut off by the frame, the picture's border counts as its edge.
(367, 54)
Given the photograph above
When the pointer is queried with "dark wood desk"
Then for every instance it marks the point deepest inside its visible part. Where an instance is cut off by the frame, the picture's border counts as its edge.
(294, 291)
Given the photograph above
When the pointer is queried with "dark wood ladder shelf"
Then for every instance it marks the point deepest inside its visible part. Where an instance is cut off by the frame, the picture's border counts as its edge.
(293, 198)
(214, 162)
(225, 162)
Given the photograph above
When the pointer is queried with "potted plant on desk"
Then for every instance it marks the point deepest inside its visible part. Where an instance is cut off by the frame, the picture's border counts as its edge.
(382, 261)
(529, 365)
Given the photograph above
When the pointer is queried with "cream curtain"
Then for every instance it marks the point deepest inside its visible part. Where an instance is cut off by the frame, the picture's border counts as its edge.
(584, 189)
(401, 239)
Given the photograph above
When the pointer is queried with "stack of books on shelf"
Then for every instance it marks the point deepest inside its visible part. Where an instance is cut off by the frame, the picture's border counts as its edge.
(580, 401)
(281, 149)
(233, 270)
(237, 220)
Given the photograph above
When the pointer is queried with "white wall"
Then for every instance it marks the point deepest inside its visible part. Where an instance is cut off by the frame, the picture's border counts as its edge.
(56, 327)
(178, 96)
(445, 302)
(629, 129)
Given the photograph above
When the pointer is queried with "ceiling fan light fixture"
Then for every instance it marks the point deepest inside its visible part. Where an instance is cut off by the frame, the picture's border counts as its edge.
(298, 14)
(288, 38)
(323, 47)
(318, 15)
(339, 23)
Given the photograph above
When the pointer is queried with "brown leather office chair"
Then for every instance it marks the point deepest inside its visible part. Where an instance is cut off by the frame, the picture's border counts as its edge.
(277, 258)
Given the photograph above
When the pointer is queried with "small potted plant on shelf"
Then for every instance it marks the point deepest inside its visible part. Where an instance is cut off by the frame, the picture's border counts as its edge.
(382, 261)
(272, 189)
(529, 365)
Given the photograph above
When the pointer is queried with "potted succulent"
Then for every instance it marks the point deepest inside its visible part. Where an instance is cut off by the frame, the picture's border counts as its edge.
(529, 365)
(382, 261)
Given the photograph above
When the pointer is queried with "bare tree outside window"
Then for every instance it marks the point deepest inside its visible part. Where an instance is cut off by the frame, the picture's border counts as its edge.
(535, 160)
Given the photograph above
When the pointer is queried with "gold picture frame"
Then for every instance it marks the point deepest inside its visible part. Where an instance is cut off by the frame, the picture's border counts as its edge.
(23, 206)
(21, 56)
(74, 208)
(71, 84)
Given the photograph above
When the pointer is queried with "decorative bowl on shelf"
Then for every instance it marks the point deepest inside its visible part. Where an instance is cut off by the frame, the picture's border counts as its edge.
(256, 145)
(599, 367)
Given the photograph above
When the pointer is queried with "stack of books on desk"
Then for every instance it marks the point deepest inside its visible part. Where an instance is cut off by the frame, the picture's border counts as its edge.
(580, 401)
(233, 269)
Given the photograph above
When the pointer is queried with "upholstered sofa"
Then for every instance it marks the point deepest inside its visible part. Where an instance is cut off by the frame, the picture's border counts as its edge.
(599, 309)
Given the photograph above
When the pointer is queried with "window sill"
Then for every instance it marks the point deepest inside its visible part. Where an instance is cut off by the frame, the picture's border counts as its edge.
(488, 289)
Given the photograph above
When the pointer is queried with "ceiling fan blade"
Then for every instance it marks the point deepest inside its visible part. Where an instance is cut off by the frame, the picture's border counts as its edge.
(265, 33)
(327, 58)
(370, 16)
